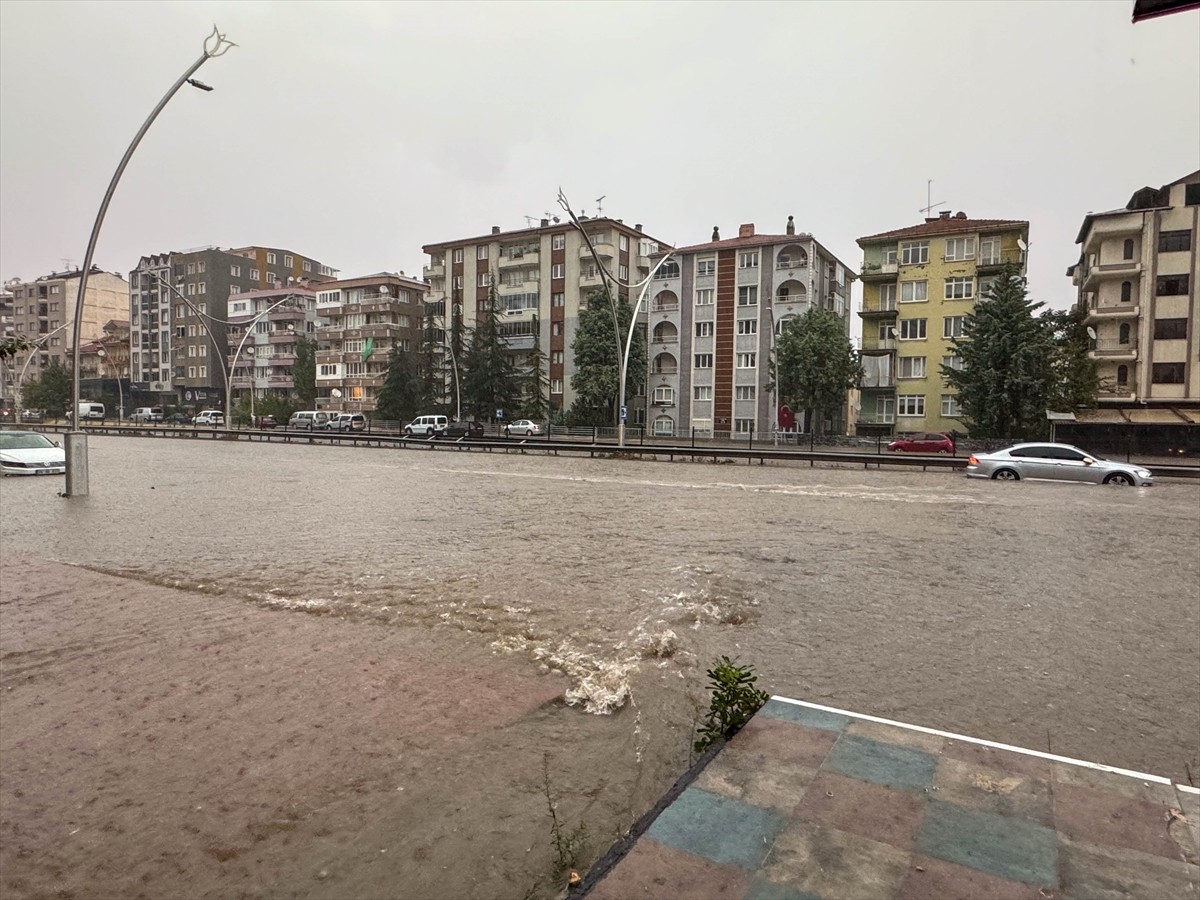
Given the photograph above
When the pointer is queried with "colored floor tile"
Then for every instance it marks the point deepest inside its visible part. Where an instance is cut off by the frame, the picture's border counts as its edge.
(869, 810)
(1107, 817)
(992, 757)
(886, 764)
(717, 828)
(784, 741)
(804, 715)
(653, 870)
(1091, 872)
(901, 737)
(1008, 848)
(988, 789)
(749, 778)
(833, 864)
(768, 890)
(934, 879)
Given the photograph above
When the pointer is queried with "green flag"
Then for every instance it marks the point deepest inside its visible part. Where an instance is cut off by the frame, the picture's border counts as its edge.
(368, 349)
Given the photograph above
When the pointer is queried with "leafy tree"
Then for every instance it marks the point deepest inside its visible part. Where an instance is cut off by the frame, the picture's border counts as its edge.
(490, 378)
(536, 380)
(50, 391)
(603, 327)
(11, 346)
(815, 364)
(1077, 378)
(402, 396)
(304, 372)
(1008, 377)
(432, 364)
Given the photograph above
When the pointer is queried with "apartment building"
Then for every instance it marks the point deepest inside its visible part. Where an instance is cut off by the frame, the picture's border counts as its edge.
(178, 309)
(1136, 277)
(544, 274)
(264, 329)
(364, 321)
(8, 376)
(715, 311)
(44, 313)
(919, 284)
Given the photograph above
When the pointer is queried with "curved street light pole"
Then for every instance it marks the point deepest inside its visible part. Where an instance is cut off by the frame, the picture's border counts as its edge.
(76, 441)
(33, 348)
(103, 354)
(629, 343)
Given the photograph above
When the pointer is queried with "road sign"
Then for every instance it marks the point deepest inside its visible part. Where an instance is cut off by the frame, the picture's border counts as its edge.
(500, 414)
(624, 413)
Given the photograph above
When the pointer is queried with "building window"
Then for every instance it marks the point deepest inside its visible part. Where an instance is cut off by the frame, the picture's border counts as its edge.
(235, 271)
(556, 329)
(1126, 292)
(910, 405)
(958, 249)
(702, 392)
(704, 329)
(747, 326)
(706, 267)
(191, 290)
(1123, 333)
(287, 261)
(458, 282)
(481, 252)
(887, 295)
(745, 392)
(272, 278)
(989, 251)
(202, 287)
(914, 291)
(1170, 329)
(703, 360)
(1122, 376)
(743, 426)
(953, 362)
(914, 253)
(558, 270)
(748, 259)
(624, 242)
(483, 279)
(911, 367)
(747, 360)
(191, 268)
(191, 371)
(950, 406)
(1167, 373)
(556, 385)
(255, 275)
(623, 273)
(748, 295)
(202, 350)
(664, 395)
(664, 426)
(234, 289)
(558, 242)
(960, 288)
(912, 329)
(307, 266)
(270, 259)
(556, 357)
(952, 326)
(457, 255)
(1127, 249)
(1171, 286)
(557, 299)
(704, 297)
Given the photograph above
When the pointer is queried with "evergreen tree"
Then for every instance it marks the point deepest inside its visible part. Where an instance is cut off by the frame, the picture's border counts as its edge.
(304, 372)
(432, 362)
(50, 391)
(536, 380)
(402, 397)
(490, 378)
(815, 364)
(1077, 378)
(603, 327)
(1008, 380)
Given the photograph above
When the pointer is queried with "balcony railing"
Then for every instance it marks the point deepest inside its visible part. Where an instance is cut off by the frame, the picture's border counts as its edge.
(875, 418)
(1114, 347)
(665, 370)
(879, 270)
(997, 258)
(658, 306)
(787, 262)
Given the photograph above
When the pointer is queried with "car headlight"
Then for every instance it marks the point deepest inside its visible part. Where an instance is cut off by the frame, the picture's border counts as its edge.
(1142, 473)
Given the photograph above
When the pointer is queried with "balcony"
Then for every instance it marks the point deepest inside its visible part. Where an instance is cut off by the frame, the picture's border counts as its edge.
(518, 341)
(590, 278)
(1000, 258)
(879, 383)
(280, 381)
(517, 257)
(604, 250)
(282, 337)
(1125, 269)
(665, 370)
(879, 271)
(886, 310)
(436, 270)
(1113, 226)
(1112, 348)
(876, 418)
(1106, 313)
(286, 315)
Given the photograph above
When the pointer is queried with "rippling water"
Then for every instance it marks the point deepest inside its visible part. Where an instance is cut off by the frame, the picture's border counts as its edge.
(1027, 613)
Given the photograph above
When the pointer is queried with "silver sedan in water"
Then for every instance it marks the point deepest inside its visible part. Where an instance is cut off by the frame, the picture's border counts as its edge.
(1057, 462)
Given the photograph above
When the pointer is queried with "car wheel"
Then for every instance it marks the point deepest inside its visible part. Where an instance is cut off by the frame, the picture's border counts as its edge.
(1120, 479)
(944, 452)
(1006, 475)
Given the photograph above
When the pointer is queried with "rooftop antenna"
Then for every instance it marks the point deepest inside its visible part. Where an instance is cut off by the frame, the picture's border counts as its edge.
(67, 263)
(928, 194)
(529, 220)
(599, 207)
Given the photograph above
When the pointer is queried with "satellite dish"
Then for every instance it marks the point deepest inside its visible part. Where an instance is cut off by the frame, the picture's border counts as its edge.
(1091, 332)
(1021, 243)
(335, 393)
(383, 289)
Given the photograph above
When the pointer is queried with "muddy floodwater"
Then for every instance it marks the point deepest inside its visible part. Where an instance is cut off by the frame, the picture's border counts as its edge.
(1050, 616)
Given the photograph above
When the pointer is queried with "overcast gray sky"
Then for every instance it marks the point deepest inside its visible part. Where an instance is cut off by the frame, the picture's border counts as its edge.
(356, 132)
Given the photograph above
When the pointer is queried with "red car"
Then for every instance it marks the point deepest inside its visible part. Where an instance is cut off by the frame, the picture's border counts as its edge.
(922, 443)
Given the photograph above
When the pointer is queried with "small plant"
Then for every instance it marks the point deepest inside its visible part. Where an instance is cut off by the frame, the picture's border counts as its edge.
(734, 700)
(567, 845)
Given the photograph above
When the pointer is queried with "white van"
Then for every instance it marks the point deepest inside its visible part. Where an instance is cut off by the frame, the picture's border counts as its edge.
(308, 420)
(427, 425)
(90, 410)
(147, 414)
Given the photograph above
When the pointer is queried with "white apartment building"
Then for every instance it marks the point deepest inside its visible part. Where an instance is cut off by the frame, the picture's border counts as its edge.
(264, 327)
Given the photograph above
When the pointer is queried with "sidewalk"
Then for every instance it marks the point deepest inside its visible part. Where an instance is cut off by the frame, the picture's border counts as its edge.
(810, 802)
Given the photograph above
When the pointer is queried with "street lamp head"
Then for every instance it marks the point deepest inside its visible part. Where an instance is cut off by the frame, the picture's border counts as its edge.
(197, 83)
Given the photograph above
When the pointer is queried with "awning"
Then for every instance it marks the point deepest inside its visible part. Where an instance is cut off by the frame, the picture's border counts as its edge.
(1099, 417)
(1154, 417)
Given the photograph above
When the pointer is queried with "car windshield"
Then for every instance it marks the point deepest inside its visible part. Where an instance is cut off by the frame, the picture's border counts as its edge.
(11, 441)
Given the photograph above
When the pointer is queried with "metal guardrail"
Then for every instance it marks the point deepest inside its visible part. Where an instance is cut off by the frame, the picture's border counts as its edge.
(593, 448)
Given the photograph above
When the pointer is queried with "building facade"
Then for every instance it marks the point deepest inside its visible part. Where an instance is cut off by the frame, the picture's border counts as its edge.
(178, 305)
(715, 311)
(8, 375)
(919, 284)
(543, 276)
(264, 330)
(1136, 278)
(364, 321)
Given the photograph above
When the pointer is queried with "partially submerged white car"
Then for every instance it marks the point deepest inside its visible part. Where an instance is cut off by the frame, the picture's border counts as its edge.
(30, 453)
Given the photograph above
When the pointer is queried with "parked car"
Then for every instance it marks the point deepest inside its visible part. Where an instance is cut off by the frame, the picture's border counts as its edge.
(1058, 462)
(209, 418)
(526, 427)
(30, 453)
(347, 422)
(90, 410)
(463, 430)
(922, 443)
(147, 414)
(308, 420)
(178, 419)
(263, 422)
(427, 425)
(34, 415)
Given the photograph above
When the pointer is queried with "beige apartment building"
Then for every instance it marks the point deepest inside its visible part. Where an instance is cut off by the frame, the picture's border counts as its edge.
(544, 275)
(264, 330)
(1136, 277)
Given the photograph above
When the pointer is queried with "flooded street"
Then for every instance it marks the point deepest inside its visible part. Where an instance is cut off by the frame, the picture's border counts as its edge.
(1051, 616)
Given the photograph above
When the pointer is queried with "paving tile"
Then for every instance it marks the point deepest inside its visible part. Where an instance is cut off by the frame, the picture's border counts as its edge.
(894, 734)
(984, 788)
(784, 741)
(804, 715)
(935, 879)
(1009, 848)
(887, 764)
(1134, 788)
(717, 828)
(654, 870)
(1104, 817)
(833, 864)
(869, 810)
(757, 780)
(1189, 804)
(769, 890)
(1091, 872)
(1008, 760)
